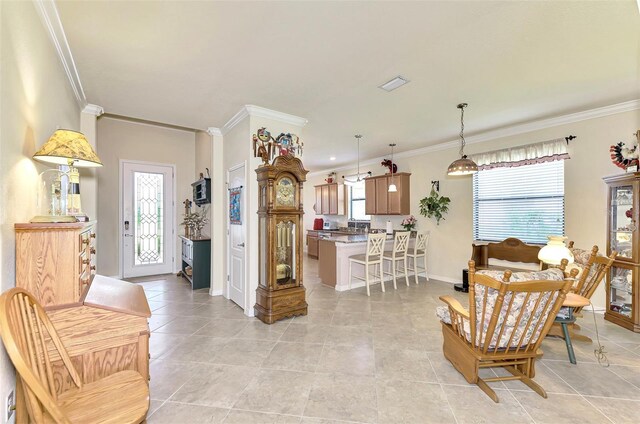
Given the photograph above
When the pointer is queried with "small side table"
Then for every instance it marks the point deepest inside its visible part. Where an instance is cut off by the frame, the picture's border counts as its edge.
(571, 301)
(196, 254)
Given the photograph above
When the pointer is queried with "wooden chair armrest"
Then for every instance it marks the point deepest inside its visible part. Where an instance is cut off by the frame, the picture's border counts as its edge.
(455, 306)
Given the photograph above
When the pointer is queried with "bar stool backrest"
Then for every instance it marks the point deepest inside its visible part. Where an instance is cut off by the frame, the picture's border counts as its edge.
(375, 245)
(422, 241)
(401, 243)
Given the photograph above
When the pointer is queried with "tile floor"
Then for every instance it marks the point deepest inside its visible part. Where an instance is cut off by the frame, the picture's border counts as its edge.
(360, 359)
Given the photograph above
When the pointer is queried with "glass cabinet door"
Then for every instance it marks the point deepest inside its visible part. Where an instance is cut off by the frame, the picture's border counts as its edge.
(621, 290)
(286, 239)
(622, 222)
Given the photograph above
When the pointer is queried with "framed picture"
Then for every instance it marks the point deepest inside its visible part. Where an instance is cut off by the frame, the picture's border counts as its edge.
(235, 205)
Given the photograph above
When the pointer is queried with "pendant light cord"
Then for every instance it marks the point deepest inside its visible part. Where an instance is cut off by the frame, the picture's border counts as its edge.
(358, 137)
(461, 106)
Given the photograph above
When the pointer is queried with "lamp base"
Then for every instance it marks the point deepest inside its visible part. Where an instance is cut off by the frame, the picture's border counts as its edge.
(53, 218)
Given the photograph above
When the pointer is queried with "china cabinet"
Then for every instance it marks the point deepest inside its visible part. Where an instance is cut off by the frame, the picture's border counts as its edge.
(623, 207)
(280, 292)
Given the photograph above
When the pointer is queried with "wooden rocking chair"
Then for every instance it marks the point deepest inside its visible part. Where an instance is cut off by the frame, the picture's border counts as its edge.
(504, 326)
(29, 336)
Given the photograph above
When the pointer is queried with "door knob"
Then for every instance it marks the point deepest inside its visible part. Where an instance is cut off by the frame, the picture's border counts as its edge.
(241, 245)
(128, 235)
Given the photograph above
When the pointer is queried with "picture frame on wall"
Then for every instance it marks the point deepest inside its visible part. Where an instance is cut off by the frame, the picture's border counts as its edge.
(235, 206)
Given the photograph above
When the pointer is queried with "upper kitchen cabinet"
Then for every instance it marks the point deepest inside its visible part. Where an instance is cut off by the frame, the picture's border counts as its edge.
(330, 199)
(378, 199)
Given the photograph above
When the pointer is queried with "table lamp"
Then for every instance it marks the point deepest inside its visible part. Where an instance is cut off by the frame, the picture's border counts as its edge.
(555, 251)
(59, 190)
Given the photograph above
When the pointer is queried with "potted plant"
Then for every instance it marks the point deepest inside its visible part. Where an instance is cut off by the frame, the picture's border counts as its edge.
(434, 206)
(409, 223)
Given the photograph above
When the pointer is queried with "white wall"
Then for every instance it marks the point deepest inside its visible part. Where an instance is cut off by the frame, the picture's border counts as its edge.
(120, 139)
(585, 192)
(35, 99)
(203, 159)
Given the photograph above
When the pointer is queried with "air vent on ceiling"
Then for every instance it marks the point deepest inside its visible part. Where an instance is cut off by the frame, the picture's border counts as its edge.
(396, 82)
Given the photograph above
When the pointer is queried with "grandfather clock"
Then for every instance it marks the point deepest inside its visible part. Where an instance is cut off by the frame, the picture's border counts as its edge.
(280, 293)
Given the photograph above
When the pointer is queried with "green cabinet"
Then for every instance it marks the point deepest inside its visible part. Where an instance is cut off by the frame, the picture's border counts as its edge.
(196, 261)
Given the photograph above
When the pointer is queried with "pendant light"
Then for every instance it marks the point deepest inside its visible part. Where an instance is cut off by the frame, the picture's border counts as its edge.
(358, 179)
(392, 186)
(462, 166)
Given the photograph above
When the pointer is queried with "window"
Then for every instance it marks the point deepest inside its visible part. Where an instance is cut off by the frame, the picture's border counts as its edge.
(357, 202)
(526, 202)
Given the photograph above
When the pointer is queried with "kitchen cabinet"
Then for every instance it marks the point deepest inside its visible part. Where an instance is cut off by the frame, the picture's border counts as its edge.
(330, 199)
(380, 202)
(312, 244)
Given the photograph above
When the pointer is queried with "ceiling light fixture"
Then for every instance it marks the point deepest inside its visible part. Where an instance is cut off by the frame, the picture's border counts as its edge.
(358, 177)
(332, 158)
(462, 166)
(392, 186)
(396, 82)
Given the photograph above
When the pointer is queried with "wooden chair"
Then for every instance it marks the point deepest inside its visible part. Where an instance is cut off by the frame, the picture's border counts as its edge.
(593, 269)
(504, 327)
(29, 337)
(373, 256)
(419, 251)
(398, 253)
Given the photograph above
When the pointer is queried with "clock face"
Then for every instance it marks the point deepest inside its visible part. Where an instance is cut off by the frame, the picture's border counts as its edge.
(285, 193)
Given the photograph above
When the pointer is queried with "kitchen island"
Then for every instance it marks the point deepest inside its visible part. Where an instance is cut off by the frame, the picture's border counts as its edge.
(334, 252)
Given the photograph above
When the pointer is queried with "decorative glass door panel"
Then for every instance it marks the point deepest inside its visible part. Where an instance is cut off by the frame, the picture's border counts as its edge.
(147, 219)
(285, 238)
(622, 224)
(621, 291)
(148, 228)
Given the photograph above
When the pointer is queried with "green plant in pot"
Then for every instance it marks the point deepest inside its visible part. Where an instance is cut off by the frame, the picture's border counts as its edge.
(435, 205)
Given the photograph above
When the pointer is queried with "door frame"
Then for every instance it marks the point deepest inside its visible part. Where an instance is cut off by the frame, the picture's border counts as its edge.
(121, 214)
(243, 212)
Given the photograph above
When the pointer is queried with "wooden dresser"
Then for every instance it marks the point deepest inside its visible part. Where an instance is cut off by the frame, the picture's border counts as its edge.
(55, 262)
(101, 321)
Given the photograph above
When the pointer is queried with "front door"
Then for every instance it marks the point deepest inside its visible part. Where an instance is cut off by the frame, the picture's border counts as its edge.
(236, 221)
(147, 219)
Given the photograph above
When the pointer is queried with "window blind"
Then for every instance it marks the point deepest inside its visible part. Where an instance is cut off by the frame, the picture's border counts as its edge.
(526, 202)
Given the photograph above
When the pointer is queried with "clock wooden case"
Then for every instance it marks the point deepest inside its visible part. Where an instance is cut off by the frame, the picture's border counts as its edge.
(280, 293)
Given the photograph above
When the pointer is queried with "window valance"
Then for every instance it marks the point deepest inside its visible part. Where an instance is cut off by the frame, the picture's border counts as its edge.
(545, 151)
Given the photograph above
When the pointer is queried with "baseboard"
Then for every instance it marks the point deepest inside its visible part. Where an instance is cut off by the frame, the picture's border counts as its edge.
(215, 292)
(445, 279)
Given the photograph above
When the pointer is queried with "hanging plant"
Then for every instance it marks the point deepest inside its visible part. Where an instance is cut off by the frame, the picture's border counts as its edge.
(435, 205)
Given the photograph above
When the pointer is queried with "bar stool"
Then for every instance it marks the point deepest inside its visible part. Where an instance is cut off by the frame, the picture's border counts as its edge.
(419, 251)
(373, 256)
(399, 253)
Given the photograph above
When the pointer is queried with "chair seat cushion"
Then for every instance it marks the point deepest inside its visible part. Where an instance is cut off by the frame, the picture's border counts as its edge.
(120, 398)
(389, 254)
(362, 258)
(553, 274)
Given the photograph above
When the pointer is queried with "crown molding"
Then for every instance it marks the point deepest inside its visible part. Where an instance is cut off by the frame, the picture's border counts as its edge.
(93, 109)
(503, 132)
(214, 131)
(261, 112)
(51, 21)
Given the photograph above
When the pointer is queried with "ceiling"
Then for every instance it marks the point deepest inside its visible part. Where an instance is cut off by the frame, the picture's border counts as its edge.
(195, 64)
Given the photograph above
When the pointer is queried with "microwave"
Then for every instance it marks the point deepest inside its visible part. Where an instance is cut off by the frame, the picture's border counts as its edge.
(328, 225)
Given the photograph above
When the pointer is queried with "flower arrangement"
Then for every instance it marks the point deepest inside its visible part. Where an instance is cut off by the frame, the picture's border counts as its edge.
(196, 221)
(409, 223)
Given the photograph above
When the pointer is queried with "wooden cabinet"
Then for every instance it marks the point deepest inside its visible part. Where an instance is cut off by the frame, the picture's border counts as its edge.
(312, 244)
(325, 200)
(623, 236)
(55, 261)
(330, 199)
(380, 202)
(196, 259)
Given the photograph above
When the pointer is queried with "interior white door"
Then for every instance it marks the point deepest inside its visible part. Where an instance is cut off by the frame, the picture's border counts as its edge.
(147, 225)
(236, 247)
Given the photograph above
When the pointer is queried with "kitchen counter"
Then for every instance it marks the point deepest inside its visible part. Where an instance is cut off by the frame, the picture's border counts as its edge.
(352, 238)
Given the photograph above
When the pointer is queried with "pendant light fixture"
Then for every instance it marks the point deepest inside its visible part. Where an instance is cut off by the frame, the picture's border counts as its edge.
(358, 179)
(462, 166)
(392, 186)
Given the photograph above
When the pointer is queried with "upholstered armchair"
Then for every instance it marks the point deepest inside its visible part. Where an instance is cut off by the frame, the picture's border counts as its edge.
(509, 314)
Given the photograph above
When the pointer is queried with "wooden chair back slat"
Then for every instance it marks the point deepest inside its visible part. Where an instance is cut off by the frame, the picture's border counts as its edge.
(495, 349)
(375, 244)
(400, 243)
(23, 324)
(422, 241)
(531, 319)
(591, 279)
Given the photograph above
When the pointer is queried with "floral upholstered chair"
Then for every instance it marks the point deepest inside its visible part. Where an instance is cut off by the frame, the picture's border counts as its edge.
(509, 315)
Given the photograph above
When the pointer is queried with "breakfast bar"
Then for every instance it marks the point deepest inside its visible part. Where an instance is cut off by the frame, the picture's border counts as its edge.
(334, 252)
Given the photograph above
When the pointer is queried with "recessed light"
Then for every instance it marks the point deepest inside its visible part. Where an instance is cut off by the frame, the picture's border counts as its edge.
(332, 158)
(396, 82)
